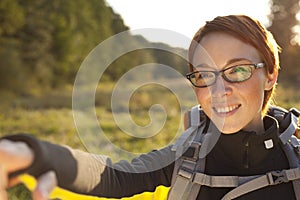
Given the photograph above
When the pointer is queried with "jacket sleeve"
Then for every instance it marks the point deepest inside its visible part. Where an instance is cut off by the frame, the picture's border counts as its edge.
(91, 174)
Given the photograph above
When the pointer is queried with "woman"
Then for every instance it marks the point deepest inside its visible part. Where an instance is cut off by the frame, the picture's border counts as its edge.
(234, 67)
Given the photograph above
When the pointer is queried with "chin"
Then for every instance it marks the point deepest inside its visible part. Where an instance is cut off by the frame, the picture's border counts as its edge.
(229, 132)
(228, 129)
(226, 125)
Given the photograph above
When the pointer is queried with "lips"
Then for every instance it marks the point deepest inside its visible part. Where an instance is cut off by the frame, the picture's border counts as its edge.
(225, 109)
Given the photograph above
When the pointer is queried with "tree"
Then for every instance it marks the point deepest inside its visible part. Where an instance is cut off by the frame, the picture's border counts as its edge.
(284, 21)
(11, 21)
(42, 43)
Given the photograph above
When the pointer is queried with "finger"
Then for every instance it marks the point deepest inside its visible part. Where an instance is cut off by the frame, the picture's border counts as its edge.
(13, 182)
(15, 155)
(45, 184)
(3, 183)
(3, 195)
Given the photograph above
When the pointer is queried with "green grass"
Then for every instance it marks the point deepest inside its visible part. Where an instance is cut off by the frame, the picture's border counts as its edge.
(288, 97)
(55, 125)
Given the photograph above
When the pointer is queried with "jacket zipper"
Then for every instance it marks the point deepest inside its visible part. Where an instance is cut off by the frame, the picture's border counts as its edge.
(246, 156)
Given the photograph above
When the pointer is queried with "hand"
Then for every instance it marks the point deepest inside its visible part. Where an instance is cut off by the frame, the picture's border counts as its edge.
(16, 156)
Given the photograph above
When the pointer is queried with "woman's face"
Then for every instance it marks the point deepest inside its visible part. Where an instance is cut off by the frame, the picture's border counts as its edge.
(231, 106)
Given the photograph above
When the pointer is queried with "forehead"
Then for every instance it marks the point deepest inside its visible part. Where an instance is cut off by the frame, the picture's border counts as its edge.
(218, 49)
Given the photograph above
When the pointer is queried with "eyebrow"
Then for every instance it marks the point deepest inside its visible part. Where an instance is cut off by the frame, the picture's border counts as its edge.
(236, 60)
(229, 62)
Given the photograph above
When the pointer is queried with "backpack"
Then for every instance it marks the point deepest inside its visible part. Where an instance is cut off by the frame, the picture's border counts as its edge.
(187, 181)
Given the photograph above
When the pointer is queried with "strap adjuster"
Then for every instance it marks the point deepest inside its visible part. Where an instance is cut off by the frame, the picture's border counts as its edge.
(277, 177)
(295, 112)
(186, 173)
(192, 152)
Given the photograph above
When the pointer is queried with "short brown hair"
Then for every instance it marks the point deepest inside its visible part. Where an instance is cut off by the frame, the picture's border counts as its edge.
(250, 31)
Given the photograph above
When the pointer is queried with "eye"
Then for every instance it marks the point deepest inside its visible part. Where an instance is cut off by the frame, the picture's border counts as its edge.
(238, 73)
(205, 75)
(239, 69)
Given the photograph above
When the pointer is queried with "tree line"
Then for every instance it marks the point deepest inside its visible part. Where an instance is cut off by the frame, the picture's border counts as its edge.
(43, 43)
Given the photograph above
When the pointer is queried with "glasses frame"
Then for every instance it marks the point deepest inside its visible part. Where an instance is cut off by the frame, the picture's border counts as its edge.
(221, 73)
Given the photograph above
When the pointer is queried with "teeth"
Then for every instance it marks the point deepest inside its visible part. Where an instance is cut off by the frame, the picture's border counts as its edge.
(226, 109)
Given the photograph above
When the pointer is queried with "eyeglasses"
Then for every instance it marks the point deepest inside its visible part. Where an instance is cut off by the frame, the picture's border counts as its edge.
(234, 74)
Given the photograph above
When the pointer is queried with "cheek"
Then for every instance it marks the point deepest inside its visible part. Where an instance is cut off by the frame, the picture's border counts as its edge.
(204, 99)
(253, 93)
(203, 95)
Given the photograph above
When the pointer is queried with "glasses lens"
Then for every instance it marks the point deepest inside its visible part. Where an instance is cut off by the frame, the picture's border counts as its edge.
(238, 73)
(202, 78)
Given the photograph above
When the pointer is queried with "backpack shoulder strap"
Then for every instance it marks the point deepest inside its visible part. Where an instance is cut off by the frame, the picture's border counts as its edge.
(192, 121)
(291, 150)
(187, 150)
(289, 128)
(288, 122)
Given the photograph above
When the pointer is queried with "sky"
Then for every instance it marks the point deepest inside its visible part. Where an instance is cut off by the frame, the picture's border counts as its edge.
(183, 16)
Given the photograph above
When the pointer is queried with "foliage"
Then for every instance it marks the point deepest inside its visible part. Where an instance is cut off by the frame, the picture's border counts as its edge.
(44, 42)
(19, 192)
(284, 21)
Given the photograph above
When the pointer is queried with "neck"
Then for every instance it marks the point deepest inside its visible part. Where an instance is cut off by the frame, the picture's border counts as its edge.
(256, 126)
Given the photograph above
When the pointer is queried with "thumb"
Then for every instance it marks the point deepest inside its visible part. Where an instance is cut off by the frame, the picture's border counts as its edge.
(45, 184)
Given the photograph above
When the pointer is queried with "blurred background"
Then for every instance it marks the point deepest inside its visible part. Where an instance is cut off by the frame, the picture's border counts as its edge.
(43, 43)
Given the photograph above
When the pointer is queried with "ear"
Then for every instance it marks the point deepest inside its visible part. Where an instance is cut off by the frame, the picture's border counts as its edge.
(271, 80)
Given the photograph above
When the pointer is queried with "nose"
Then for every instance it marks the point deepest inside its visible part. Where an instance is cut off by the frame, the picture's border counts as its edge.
(221, 88)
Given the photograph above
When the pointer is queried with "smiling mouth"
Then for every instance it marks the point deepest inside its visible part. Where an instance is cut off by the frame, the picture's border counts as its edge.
(226, 109)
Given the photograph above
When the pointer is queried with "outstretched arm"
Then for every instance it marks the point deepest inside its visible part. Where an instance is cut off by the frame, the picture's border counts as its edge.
(86, 173)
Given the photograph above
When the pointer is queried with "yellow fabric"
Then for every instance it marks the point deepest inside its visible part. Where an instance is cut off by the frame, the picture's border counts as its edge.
(160, 193)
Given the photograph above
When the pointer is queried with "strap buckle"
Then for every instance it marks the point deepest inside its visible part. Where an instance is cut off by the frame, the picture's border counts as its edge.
(277, 177)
